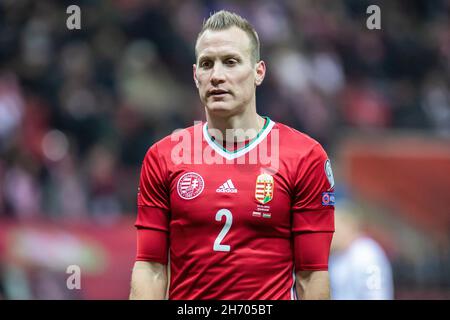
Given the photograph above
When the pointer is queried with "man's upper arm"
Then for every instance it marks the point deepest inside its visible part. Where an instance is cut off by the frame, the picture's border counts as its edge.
(152, 245)
(313, 211)
(313, 203)
(153, 202)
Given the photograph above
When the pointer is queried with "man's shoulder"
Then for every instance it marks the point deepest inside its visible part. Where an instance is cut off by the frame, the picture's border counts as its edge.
(292, 134)
(296, 141)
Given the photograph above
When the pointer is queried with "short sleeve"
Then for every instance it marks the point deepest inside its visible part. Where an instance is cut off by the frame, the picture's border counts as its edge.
(153, 200)
(313, 203)
(152, 245)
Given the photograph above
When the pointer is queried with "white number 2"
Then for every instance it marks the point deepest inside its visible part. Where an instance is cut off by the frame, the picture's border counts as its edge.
(225, 229)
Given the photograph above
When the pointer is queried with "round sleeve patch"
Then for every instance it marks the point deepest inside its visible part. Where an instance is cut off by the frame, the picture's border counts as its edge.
(329, 173)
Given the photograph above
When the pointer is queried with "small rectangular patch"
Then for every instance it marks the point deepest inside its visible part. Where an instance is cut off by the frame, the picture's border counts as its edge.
(328, 199)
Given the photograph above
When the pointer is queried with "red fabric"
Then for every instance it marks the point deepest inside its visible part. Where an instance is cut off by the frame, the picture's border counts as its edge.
(152, 218)
(310, 182)
(314, 221)
(226, 241)
(152, 245)
(311, 250)
(153, 191)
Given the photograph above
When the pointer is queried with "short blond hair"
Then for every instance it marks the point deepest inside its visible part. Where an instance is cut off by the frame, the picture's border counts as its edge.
(223, 20)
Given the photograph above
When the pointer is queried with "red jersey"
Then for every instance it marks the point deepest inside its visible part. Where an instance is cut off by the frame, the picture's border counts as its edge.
(231, 216)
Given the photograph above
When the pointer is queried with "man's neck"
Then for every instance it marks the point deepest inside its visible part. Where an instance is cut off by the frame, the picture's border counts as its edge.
(239, 127)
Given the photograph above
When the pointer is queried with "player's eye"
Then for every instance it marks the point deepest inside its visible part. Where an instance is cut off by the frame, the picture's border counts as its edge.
(206, 64)
(230, 62)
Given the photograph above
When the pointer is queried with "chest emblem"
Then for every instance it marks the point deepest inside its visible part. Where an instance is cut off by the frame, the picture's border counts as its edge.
(264, 188)
(190, 185)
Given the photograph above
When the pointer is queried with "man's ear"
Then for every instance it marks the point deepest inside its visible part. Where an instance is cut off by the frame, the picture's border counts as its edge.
(194, 69)
(260, 72)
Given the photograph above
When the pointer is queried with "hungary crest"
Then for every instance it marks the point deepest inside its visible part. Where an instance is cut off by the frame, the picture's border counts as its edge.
(264, 188)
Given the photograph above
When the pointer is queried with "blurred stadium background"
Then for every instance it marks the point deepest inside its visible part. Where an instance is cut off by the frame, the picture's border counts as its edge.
(78, 110)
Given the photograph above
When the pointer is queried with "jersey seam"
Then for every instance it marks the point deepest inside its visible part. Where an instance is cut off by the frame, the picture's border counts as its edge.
(312, 267)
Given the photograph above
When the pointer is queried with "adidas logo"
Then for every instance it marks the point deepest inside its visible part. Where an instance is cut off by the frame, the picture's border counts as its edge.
(227, 187)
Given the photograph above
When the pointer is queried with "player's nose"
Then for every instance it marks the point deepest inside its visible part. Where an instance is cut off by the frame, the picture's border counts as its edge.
(218, 74)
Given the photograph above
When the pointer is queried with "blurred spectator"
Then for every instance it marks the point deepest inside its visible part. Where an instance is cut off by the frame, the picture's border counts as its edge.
(21, 187)
(436, 102)
(11, 108)
(359, 268)
(101, 168)
(65, 194)
(365, 107)
(145, 83)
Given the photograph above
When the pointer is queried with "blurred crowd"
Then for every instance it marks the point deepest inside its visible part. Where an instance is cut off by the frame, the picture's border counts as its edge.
(79, 108)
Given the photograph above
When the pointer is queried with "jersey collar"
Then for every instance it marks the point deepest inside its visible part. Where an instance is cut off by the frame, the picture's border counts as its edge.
(230, 155)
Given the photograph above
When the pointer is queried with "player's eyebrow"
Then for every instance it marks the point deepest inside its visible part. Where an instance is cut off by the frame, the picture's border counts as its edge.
(203, 57)
(232, 55)
(227, 55)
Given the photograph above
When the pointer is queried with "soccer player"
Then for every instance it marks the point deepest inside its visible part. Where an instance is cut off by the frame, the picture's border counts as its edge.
(224, 216)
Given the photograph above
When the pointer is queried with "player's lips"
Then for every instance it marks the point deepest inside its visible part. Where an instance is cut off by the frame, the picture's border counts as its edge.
(217, 92)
